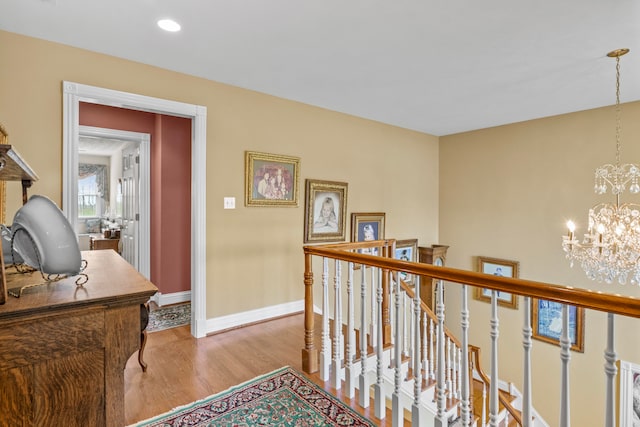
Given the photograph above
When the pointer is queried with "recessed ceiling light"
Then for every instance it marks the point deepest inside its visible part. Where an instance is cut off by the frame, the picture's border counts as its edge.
(169, 25)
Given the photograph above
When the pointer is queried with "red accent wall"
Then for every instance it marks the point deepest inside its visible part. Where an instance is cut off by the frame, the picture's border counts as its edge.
(170, 187)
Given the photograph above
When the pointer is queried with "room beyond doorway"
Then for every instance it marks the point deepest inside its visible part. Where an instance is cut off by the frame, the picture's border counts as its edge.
(113, 191)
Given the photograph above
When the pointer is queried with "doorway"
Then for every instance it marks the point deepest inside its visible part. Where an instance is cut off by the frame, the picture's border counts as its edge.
(127, 203)
(73, 94)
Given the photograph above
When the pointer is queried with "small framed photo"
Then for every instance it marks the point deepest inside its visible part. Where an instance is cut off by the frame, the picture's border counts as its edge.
(406, 250)
(325, 211)
(367, 226)
(629, 397)
(546, 321)
(271, 179)
(498, 267)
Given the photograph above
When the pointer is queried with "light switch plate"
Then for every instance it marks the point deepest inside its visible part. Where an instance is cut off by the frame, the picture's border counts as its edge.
(229, 202)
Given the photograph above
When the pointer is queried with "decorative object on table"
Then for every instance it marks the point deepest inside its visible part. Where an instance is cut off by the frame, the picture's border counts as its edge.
(407, 250)
(282, 397)
(610, 248)
(546, 322)
(498, 267)
(325, 211)
(10, 257)
(629, 380)
(44, 239)
(12, 168)
(170, 316)
(271, 179)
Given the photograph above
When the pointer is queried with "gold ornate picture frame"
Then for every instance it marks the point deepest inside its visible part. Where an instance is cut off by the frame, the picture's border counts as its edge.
(498, 267)
(271, 179)
(325, 211)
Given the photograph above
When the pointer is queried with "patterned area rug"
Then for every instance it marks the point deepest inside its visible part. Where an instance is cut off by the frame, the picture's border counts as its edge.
(171, 316)
(284, 397)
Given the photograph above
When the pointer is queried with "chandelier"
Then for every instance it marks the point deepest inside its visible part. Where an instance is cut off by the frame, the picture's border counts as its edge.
(610, 248)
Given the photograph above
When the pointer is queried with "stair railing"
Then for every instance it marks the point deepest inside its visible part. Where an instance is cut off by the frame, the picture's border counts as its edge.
(385, 266)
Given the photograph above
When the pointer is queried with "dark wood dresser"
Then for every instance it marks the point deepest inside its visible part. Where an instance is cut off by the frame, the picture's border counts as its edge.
(63, 348)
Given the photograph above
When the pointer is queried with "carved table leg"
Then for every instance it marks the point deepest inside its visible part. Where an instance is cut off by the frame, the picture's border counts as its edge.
(144, 321)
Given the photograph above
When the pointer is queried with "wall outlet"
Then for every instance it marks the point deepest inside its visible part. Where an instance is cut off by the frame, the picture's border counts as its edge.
(229, 202)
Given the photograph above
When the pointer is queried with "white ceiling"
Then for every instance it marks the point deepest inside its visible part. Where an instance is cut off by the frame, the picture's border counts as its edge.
(437, 66)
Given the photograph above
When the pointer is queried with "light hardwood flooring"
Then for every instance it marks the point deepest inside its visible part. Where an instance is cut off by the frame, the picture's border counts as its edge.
(182, 369)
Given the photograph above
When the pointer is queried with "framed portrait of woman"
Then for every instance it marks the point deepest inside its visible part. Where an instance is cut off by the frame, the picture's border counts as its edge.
(325, 211)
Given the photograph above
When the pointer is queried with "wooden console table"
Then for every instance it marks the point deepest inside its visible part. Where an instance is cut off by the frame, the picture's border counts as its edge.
(63, 348)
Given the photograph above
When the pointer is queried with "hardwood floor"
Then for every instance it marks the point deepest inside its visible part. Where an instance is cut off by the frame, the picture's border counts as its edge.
(182, 369)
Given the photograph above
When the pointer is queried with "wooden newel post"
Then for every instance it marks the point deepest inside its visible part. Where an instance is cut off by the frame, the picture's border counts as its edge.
(309, 352)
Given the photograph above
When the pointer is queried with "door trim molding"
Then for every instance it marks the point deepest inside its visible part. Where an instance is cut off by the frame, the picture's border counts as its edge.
(73, 94)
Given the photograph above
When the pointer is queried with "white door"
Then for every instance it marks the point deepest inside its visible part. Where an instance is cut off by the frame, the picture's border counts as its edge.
(130, 233)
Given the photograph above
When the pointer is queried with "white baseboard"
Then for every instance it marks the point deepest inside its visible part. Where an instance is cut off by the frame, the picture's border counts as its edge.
(172, 298)
(240, 319)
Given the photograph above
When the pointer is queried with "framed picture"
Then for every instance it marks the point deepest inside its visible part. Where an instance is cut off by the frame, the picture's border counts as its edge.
(406, 250)
(325, 211)
(270, 179)
(498, 267)
(546, 322)
(367, 226)
(629, 380)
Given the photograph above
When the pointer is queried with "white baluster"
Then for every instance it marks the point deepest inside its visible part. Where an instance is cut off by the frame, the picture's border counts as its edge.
(610, 370)
(417, 371)
(493, 387)
(373, 333)
(397, 411)
(465, 404)
(440, 420)
(432, 355)
(425, 359)
(458, 374)
(379, 403)
(325, 354)
(527, 415)
(336, 368)
(565, 356)
(484, 404)
(406, 333)
(449, 364)
(349, 371)
(363, 389)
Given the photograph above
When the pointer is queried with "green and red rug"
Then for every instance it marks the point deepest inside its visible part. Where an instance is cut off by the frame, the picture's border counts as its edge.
(284, 397)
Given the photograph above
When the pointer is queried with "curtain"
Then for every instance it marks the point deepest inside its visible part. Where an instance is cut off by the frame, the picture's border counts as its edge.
(102, 177)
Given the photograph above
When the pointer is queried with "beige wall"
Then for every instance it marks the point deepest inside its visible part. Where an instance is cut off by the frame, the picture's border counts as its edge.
(254, 255)
(507, 192)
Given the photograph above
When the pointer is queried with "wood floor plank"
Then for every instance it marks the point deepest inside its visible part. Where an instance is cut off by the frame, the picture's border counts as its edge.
(182, 369)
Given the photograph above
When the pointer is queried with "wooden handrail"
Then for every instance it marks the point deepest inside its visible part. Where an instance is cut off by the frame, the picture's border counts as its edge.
(594, 300)
(513, 411)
